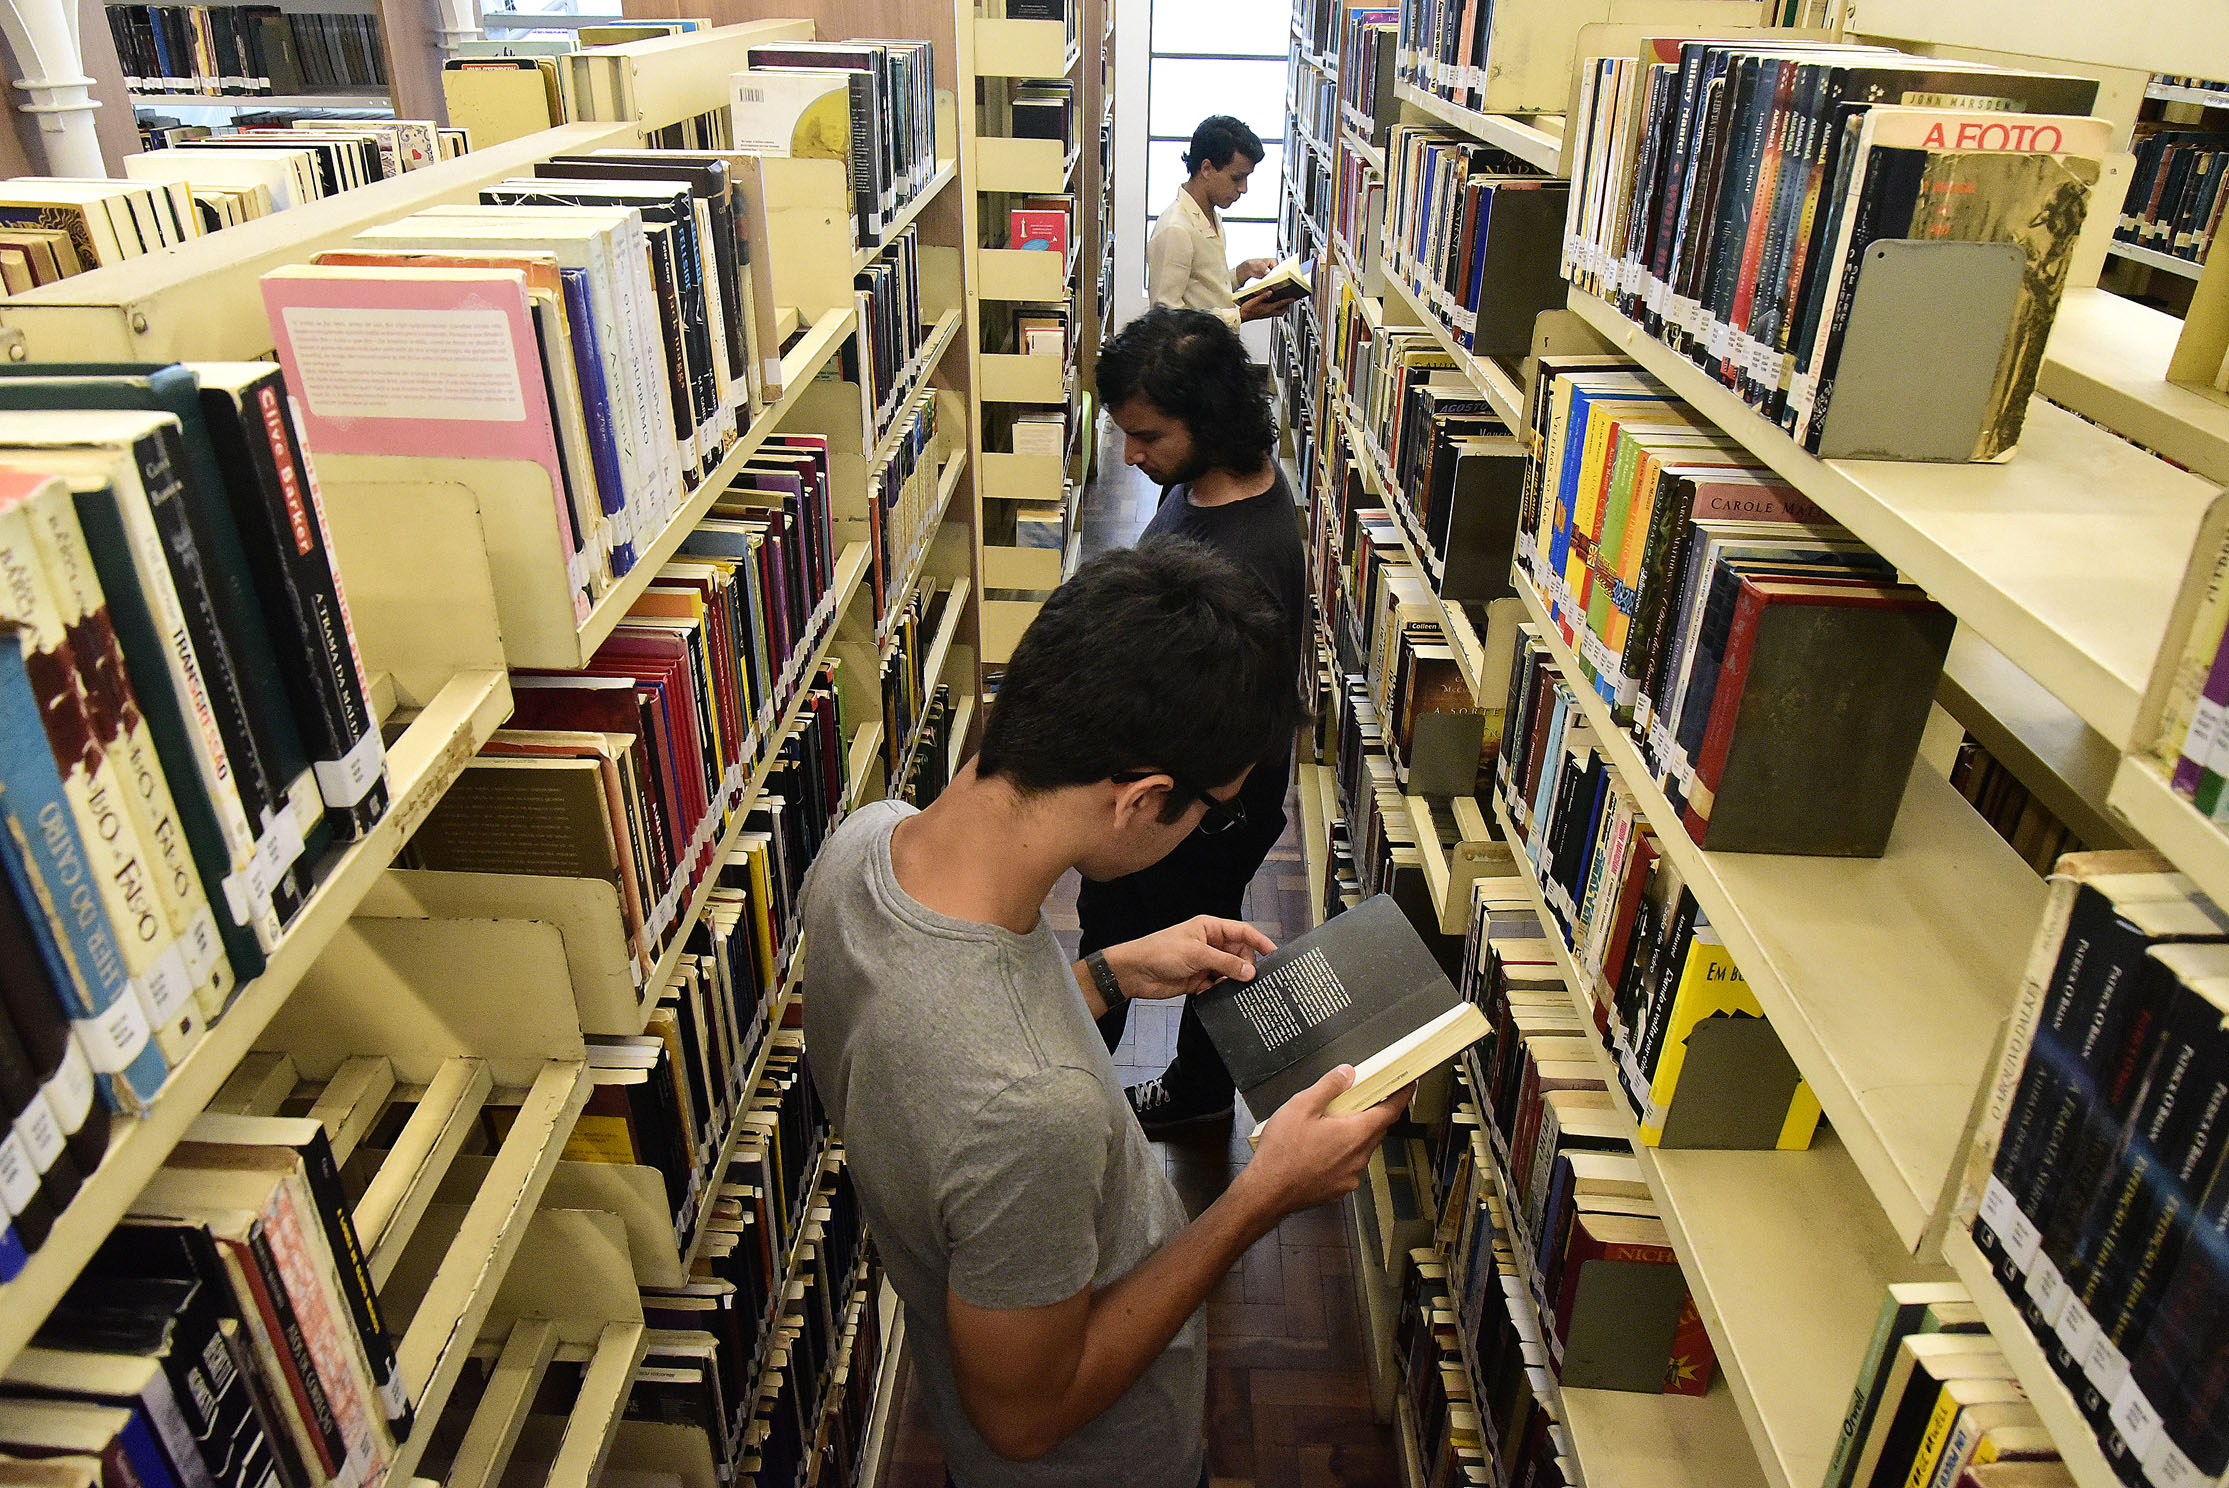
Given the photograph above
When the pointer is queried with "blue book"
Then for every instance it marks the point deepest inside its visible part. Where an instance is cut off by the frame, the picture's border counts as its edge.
(46, 868)
(595, 395)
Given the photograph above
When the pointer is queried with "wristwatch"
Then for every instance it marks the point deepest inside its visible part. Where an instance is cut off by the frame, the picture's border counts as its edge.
(1103, 977)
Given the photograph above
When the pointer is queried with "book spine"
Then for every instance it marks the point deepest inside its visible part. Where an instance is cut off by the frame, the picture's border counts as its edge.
(37, 1176)
(113, 710)
(335, 1216)
(292, 1346)
(30, 999)
(313, 1284)
(272, 506)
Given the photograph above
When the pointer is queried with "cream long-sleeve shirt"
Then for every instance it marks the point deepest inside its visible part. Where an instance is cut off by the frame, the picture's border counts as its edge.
(1186, 262)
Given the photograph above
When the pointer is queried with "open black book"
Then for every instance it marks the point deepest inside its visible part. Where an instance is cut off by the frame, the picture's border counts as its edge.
(1361, 989)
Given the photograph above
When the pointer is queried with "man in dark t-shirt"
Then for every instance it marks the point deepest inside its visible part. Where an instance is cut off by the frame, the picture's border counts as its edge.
(1196, 417)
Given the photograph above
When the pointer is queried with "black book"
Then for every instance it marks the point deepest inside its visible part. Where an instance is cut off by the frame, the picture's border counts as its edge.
(2181, 1368)
(282, 531)
(1360, 989)
(33, 1004)
(180, 1324)
(37, 1175)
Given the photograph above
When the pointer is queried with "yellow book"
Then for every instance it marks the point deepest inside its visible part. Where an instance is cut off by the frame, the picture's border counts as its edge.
(1714, 1001)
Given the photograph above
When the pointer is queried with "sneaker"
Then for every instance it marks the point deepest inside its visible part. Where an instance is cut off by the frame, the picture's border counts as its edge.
(1162, 1109)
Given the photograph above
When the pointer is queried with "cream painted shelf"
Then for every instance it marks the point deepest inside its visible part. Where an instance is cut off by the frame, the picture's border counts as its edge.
(865, 748)
(947, 170)
(1536, 139)
(2199, 847)
(1496, 383)
(2152, 258)
(1008, 477)
(1786, 1255)
(1022, 49)
(2062, 761)
(963, 714)
(914, 386)
(2070, 1431)
(875, 1443)
(2070, 557)
(1886, 978)
(421, 765)
(375, 101)
(1315, 837)
(1009, 377)
(1031, 167)
(1023, 275)
(2107, 358)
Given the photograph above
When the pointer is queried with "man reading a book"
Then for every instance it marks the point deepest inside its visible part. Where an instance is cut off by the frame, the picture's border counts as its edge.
(1196, 417)
(1186, 260)
(1050, 1279)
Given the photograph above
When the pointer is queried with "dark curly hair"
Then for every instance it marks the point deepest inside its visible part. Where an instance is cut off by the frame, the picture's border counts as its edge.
(1193, 367)
(1166, 656)
(1217, 138)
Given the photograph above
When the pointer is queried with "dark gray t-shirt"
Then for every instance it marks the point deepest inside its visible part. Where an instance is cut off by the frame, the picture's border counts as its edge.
(992, 1147)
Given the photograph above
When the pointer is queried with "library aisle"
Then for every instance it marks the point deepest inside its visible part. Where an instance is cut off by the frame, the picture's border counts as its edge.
(1288, 1400)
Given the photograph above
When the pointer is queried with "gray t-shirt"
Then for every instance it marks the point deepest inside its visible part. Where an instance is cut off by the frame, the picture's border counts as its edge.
(992, 1148)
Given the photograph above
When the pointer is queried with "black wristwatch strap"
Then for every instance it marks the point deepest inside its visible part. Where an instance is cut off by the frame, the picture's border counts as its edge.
(1103, 977)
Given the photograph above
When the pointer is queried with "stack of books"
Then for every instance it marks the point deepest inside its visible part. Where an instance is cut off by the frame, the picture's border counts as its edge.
(1724, 620)
(1666, 993)
(1727, 197)
(880, 359)
(906, 684)
(1474, 233)
(869, 104)
(640, 334)
(244, 50)
(1453, 1436)
(901, 506)
(1366, 56)
(188, 729)
(226, 1332)
(2174, 194)
(2101, 1209)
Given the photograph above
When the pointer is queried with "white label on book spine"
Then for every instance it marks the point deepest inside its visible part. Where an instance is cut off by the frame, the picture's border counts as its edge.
(19, 1181)
(2105, 1364)
(2167, 1467)
(41, 1133)
(2136, 1421)
(200, 945)
(69, 1091)
(2077, 1330)
(115, 1037)
(364, 363)
(347, 780)
(165, 985)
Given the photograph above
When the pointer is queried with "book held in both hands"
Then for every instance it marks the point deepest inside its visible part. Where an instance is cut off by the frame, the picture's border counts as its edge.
(1360, 989)
(1294, 279)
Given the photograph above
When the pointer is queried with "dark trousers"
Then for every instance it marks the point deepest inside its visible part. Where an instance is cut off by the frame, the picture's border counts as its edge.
(1204, 875)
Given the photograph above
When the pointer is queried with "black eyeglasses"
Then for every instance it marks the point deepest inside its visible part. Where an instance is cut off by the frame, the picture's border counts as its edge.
(1221, 815)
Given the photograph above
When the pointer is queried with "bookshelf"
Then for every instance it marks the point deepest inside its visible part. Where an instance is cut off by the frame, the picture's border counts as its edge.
(2075, 569)
(512, 1255)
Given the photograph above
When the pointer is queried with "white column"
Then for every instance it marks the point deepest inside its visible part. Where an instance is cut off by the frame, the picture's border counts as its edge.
(43, 35)
(455, 21)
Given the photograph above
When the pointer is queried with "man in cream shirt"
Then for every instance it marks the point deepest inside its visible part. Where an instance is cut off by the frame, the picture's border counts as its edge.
(1185, 260)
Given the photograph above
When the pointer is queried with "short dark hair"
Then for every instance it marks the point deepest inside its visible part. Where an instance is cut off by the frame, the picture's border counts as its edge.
(1192, 366)
(1218, 137)
(1166, 656)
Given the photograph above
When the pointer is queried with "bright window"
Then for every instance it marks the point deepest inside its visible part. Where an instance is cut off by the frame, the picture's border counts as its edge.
(1220, 57)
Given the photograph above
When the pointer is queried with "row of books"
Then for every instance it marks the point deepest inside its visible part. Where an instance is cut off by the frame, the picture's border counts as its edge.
(1725, 620)
(226, 1334)
(869, 104)
(882, 358)
(1357, 211)
(2174, 193)
(1312, 104)
(1366, 56)
(2018, 814)
(907, 686)
(2102, 1211)
(930, 769)
(1571, 1191)
(1668, 998)
(902, 513)
(633, 769)
(1452, 1433)
(1441, 49)
(1456, 471)
(188, 733)
(1935, 1403)
(242, 50)
(635, 336)
(1728, 197)
(1474, 232)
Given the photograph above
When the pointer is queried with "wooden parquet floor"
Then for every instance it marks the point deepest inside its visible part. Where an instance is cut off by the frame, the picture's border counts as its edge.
(1288, 1403)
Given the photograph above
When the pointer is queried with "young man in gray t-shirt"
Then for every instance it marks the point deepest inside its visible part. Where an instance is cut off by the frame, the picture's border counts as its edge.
(1050, 1280)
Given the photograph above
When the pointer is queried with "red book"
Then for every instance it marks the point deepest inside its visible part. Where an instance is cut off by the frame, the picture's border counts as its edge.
(1043, 229)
